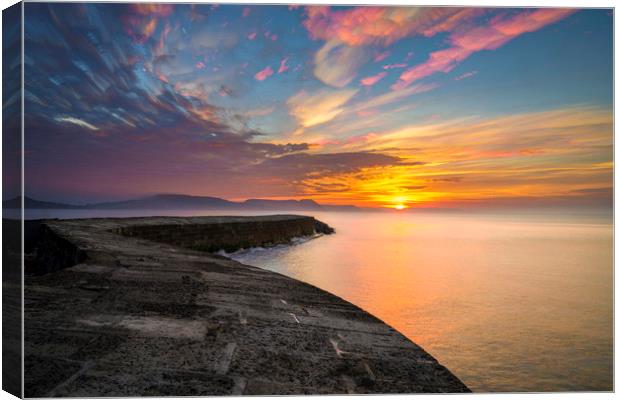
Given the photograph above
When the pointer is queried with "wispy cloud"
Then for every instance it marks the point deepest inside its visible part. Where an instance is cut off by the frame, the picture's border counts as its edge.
(465, 75)
(551, 157)
(316, 108)
(371, 80)
(381, 25)
(336, 63)
(283, 67)
(393, 66)
(78, 122)
(186, 98)
(487, 37)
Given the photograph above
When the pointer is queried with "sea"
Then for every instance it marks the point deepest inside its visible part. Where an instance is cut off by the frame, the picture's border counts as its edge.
(509, 301)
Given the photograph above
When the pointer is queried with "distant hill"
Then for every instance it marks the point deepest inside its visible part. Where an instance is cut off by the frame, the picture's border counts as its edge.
(32, 203)
(184, 202)
(166, 202)
(281, 204)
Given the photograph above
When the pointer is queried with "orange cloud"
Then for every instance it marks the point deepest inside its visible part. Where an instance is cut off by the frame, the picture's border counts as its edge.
(154, 9)
(490, 37)
(311, 109)
(139, 28)
(140, 23)
(371, 80)
(263, 74)
(563, 156)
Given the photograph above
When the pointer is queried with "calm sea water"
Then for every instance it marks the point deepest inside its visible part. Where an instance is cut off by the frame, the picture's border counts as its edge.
(508, 302)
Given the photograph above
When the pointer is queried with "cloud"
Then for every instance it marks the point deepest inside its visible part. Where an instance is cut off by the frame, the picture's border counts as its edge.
(140, 28)
(382, 25)
(316, 108)
(393, 66)
(347, 32)
(495, 34)
(154, 9)
(260, 112)
(78, 122)
(465, 75)
(561, 156)
(381, 56)
(283, 67)
(392, 96)
(453, 21)
(159, 135)
(371, 80)
(336, 63)
(302, 165)
(142, 19)
(263, 74)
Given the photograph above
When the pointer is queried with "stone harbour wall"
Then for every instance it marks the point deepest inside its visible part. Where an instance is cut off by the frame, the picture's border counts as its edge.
(229, 236)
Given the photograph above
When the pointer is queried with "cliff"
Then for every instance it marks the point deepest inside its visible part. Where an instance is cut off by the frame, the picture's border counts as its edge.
(129, 307)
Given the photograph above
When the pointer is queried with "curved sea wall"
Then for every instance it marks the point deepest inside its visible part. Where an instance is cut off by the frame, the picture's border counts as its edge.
(229, 233)
(129, 307)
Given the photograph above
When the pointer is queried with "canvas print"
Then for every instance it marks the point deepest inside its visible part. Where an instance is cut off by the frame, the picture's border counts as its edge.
(211, 199)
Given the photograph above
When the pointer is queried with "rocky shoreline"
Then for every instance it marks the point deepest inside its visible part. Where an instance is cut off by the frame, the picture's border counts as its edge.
(135, 306)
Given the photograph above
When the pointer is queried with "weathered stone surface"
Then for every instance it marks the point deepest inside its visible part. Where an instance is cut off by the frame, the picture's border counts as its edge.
(139, 317)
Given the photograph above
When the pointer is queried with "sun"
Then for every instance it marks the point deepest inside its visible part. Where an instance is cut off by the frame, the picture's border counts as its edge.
(399, 203)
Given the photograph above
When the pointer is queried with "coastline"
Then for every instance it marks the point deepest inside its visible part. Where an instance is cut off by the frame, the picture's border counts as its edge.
(123, 315)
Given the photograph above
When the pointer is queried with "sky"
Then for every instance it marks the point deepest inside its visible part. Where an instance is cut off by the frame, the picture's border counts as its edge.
(401, 107)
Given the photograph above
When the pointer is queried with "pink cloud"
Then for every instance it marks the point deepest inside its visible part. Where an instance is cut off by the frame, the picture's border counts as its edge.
(263, 74)
(362, 138)
(464, 43)
(283, 66)
(381, 56)
(245, 12)
(454, 21)
(366, 113)
(382, 25)
(252, 36)
(371, 80)
(274, 37)
(439, 61)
